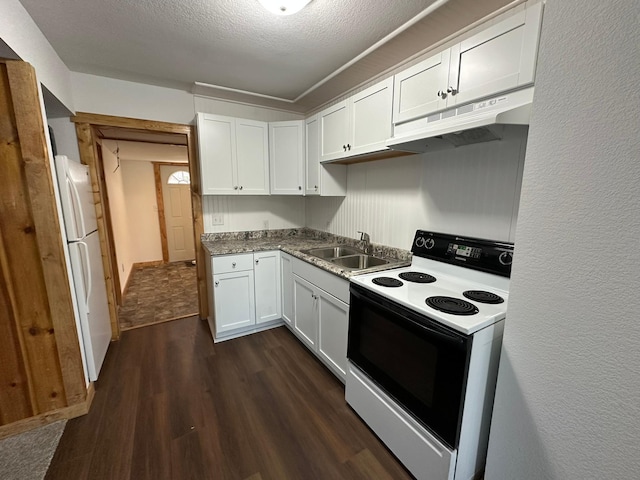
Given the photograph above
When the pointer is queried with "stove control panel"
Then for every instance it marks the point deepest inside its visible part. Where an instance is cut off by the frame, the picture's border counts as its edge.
(476, 253)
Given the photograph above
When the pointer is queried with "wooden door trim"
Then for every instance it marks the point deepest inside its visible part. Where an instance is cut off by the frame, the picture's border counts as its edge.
(108, 219)
(161, 217)
(88, 148)
(96, 120)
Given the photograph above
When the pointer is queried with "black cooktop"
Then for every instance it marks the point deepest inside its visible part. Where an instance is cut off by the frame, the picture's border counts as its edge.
(417, 277)
(452, 305)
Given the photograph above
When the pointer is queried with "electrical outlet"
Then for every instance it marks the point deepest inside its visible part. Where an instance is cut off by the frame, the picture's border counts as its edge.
(217, 219)
(265, 224)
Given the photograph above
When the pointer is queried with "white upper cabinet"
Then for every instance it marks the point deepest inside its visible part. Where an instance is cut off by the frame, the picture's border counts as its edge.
(500, 58)
(312, 151)
(416, 88)
(361, 124)
(321, 179)
(234, 155)
(286, 157)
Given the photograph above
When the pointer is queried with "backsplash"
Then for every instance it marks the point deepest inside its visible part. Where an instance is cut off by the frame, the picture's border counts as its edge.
(472, 190)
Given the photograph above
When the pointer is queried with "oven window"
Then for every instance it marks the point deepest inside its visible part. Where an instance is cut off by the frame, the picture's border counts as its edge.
(419, 363)
(379, 341)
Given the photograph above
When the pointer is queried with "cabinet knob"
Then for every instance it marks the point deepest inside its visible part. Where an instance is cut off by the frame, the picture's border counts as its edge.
(442, 94)
(233, 265)
(315, 187)
(348, 147)
(236, 187)
(217, 283)
(240, 187)
(344, 147)
(299, 187)
(452, 90)
(257, 261)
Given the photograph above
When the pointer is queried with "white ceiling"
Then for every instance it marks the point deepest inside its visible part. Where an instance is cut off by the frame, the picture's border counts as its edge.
(229, 43)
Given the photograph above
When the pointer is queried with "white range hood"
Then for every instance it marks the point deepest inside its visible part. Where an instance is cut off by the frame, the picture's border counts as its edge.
(471, 123)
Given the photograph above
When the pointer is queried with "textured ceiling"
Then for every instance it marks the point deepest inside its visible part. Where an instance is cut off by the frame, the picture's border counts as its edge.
(236, 44)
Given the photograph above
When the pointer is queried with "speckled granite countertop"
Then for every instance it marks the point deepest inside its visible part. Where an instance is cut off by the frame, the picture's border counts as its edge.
(292, 241)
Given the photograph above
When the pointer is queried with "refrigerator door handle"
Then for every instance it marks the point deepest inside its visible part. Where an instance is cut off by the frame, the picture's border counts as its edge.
(77, 208)
(87, 269)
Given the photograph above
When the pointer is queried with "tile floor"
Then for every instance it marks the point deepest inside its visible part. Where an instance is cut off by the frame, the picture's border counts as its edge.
(159, 293)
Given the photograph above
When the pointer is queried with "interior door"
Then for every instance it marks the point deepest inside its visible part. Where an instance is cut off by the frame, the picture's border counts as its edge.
(176, 194)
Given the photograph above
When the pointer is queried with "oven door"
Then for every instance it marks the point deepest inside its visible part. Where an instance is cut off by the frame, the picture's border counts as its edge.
(420, 363)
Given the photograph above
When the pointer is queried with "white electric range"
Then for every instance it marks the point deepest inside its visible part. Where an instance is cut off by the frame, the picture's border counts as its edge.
(423, 349)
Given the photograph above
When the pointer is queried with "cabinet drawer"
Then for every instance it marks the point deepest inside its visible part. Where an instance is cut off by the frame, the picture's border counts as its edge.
(330, 283)
(232, 263)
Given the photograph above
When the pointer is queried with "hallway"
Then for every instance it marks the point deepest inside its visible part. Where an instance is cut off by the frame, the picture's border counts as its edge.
(159, 293)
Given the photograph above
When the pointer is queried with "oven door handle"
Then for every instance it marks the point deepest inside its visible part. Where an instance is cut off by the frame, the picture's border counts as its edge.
(412, 317)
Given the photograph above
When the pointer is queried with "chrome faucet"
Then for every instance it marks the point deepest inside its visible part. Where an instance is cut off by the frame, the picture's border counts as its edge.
(366, 241)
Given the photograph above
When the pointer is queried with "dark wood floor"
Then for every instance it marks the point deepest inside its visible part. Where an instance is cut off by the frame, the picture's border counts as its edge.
(171, 405)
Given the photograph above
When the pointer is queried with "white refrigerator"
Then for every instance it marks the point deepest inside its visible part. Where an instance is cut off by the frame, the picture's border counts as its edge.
(86, 261)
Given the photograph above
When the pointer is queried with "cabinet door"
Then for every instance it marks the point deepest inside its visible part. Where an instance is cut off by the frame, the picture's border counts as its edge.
(252, 144)
(266, 271)
(371, 112)
(234, 300)
(286, 157)
(312, 157)
(416, 88)
(500, 58)
(334, 132)
(305, 320)
(286, 276)
(216, 141)
(333, 326)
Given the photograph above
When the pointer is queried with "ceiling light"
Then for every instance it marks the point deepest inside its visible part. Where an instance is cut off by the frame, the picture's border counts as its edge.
(284, 7)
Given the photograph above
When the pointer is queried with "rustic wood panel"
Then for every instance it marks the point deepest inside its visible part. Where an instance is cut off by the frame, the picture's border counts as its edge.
(133, 123)
(15, 395)
(37, 169)
(25, 277)
(90, 155)
(41, 365)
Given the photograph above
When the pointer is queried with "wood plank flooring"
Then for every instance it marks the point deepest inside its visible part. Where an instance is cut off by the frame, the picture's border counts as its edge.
(171, 405)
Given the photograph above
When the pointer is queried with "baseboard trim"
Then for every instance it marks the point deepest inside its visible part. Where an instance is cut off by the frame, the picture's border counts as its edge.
(36, 421)
(134, 327)
(153, 263)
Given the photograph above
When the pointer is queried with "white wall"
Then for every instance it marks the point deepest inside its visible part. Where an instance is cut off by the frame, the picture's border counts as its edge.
(472, 190)
(567, 403)
(65, 136)
(241, 213)
(108, 96)
(119, 220)
(22, 35)
(139, 190)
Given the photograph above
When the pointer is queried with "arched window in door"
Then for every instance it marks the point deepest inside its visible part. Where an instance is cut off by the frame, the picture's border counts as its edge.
(181, 177)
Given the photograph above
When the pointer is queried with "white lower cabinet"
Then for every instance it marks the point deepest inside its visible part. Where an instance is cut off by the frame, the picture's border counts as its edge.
(286, 287)
(234, 300)
(245, 294)
(333, 329)
(266, 270)
(321, 314)
(305, 320)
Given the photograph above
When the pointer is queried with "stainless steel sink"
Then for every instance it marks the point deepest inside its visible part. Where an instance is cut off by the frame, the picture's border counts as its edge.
(359, 262)
(332, 252)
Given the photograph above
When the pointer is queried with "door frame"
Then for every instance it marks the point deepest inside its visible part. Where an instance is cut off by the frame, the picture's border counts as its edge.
(160, 202)
(87, 130)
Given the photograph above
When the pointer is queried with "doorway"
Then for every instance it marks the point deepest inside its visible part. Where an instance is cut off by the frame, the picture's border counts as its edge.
(174, 209)
(91, 131)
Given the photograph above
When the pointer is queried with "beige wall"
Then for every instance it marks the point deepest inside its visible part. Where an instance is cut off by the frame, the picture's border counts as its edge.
(118, 206)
